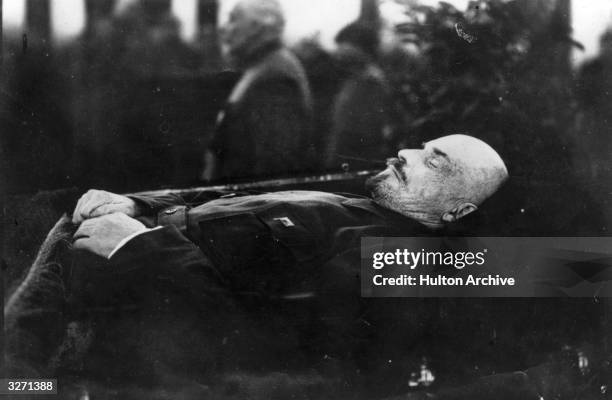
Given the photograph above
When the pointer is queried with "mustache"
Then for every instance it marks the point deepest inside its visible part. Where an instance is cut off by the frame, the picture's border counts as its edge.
(398, 165)
(394, 162)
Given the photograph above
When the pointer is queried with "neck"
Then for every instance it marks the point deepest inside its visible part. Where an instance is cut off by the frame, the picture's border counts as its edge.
(250, 57)
(429, 220)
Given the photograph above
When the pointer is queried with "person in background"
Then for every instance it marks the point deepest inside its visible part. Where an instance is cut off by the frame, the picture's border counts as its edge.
(325, 78)
(360, 115)
(593, 88)
(264, 128)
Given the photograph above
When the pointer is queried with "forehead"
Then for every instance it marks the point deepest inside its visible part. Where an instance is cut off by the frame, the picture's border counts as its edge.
(457, 147)
(244, 10)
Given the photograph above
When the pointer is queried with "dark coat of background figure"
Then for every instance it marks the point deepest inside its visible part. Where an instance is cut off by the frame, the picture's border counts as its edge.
(594, 84)
(265, 127)
(360, 117)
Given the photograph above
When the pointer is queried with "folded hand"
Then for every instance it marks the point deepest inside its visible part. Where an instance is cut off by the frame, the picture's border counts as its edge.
(102, 234)
(96, 203)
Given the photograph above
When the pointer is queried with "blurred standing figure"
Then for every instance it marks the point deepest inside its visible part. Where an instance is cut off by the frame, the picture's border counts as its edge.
(264, 129)
(360, 116)
(593, 150)
(594, 119)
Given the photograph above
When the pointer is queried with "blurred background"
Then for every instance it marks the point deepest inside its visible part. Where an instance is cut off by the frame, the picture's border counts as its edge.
(129, 95)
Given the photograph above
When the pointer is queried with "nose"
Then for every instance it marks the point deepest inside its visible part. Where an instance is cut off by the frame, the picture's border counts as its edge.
(407, 155)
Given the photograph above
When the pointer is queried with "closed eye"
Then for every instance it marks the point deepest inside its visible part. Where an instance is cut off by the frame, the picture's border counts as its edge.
(433, 162)
(436, 158)
(439, 152)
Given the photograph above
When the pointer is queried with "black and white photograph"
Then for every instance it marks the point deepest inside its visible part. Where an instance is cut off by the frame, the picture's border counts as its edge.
(306, 199)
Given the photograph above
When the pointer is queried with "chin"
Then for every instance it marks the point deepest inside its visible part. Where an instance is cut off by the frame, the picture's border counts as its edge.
(385, 192)
(380, 189)
(374, 183)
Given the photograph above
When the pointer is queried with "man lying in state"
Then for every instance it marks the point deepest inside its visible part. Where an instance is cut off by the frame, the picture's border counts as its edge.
(274, 247)
(420, 190)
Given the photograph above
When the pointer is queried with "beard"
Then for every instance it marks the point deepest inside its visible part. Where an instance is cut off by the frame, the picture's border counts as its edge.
(393, 198)
(372, 182)
(374, 185)
(380, 191)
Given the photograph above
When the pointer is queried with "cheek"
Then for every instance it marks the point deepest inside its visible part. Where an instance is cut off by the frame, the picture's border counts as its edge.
(418, 178)
(233, 33)
(388, 178)
(427, 185)
(452, 188)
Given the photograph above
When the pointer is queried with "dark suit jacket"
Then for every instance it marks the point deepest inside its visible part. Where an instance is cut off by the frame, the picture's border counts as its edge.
(273, 243)
(286, 264)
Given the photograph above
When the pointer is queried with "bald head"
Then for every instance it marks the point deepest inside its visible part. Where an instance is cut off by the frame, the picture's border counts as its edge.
(442, 182)
(266, 12)
(478, 169)
(252, 24)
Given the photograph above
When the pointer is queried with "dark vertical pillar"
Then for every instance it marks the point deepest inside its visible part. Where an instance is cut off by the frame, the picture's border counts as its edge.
(1, 232)
(155, 9)
(370, 13)
(38, 22)
(563, 17)
(1, 37)
(207, 38)
(43, 145)
(96, 10)
(2, 264)
(208, 11)
(551, 21)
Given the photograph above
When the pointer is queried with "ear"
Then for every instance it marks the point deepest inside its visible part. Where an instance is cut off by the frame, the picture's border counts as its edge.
(459, 212)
